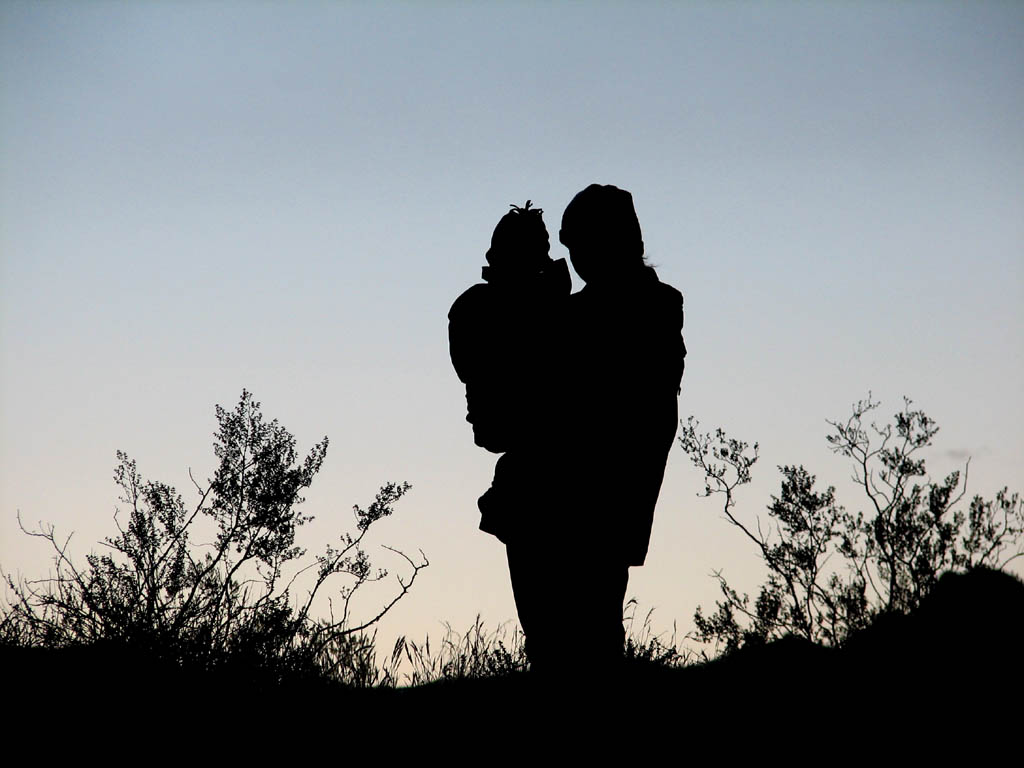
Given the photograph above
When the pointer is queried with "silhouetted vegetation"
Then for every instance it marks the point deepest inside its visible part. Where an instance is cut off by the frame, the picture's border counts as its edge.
(831, 572)
(475, 654)
(849, 596)
(227, 606)
(480, 653)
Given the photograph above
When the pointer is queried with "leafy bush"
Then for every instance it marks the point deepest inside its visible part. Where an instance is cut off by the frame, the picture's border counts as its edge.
(229, 603)
(832, 572)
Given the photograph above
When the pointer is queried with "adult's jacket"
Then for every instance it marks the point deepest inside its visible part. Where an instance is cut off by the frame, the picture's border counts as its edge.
(623, 385)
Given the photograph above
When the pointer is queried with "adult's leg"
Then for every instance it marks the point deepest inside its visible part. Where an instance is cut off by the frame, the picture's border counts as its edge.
(569, 607)
(599, 613)
(534, 589)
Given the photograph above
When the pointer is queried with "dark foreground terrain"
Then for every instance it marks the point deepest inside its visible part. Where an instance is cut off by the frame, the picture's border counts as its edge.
(961, 656)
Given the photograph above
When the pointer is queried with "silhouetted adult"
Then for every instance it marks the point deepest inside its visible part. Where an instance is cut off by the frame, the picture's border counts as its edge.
(606, 451)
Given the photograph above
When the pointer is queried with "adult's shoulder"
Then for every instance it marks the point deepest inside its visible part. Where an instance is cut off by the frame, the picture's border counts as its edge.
(657, 300)
(667, 294)
(647, 281)
(670, 291)
(671, 299)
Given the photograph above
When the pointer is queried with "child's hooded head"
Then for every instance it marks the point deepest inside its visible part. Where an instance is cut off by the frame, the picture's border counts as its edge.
(520, 242)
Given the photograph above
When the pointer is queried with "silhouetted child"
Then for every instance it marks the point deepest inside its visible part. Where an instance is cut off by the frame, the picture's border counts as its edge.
(502, 338)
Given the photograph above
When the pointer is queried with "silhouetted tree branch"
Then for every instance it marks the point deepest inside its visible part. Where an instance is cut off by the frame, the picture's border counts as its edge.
(153, 590)
(889, 558)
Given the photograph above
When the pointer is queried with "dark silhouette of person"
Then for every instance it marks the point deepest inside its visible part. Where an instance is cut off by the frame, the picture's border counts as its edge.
(573, 495)
(504, 335)
(620, 377)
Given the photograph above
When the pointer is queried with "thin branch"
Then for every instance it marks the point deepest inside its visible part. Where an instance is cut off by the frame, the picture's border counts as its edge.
(406, 586)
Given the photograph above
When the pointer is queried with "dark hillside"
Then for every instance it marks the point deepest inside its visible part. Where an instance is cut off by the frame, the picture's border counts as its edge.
(963, 645)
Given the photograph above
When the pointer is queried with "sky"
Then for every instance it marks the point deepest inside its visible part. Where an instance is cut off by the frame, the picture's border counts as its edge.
(197, 198)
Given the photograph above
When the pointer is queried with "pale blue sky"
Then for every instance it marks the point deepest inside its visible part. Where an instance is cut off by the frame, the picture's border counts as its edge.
(201, 197)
